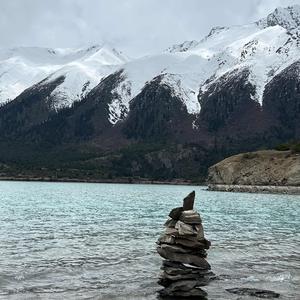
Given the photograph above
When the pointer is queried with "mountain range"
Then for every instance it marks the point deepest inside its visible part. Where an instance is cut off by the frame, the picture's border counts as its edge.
(97, 113)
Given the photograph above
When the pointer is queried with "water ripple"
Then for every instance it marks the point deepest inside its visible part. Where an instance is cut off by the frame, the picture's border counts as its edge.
(97, 241)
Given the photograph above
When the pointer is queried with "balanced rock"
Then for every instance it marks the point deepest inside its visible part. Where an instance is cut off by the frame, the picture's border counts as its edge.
(188, 201)
(183, 245)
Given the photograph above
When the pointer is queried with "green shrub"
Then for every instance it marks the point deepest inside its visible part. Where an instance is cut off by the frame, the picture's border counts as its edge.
(296, 148)
(283, 147)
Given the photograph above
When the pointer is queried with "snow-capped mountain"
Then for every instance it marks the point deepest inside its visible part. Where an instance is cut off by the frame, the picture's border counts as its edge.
(265, 48)
(20, 68)
(237, 89)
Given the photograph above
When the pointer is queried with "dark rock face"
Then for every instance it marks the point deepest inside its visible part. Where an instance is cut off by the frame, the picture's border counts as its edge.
(33, 107)
(158, 139)
(183, 246)
(225, 99)
(84, 120)
(266, 294)
(156, 114)
(282, 103)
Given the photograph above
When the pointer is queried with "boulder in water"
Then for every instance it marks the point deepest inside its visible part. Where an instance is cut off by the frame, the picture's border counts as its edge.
(266, 294)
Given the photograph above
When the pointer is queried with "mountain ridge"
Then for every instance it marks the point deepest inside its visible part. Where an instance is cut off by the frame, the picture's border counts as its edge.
(235, 90)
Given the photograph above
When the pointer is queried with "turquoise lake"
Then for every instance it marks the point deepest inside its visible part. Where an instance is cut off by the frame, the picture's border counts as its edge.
(97, 241)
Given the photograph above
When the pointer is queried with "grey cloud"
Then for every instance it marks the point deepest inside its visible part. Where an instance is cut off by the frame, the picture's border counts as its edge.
(135, 26)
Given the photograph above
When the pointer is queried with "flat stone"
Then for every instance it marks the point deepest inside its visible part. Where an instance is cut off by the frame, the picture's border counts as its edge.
(184, 288)
(188, 201)
(184, 267)
(171, 231)
(190, 243)
(166, 239)
(170, 223)
(202, 280)
(185, 229)
(190, 217)
(172, 238)
(200, 231)
(183, 285)
(205, 242)
(175, 213)
(165, 275)
(254, 292)
(175, 249)
(183, 258)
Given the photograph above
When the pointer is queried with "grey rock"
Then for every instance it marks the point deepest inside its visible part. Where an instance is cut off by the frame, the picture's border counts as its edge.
(175, 249)
(190, 217)
(166, 239)
(184, 288)
(171, 231)
(183, 285)
(188, 201)
(170, 223)
(200, 231)
(205, 242)
(184, 267)
(186, 229)
(254, 292)
(175, 213)
(194, 244)
(183, 258)
(202, 279)
(190, 243)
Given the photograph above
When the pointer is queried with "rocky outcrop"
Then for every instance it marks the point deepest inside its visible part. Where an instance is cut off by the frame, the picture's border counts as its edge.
(269, 167)
(265, 189)
(183, 246)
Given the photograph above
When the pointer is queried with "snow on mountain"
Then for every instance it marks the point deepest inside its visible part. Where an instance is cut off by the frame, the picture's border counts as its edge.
(264, 48)
(288, 18)
(22, 67)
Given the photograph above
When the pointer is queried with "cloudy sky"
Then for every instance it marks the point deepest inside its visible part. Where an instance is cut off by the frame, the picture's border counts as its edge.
(134, 26)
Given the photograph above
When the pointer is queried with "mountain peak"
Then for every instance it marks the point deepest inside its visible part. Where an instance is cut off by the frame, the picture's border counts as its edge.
(286, 17)
(183, 47)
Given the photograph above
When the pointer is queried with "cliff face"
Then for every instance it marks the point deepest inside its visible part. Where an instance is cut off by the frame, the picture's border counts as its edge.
(267, 167)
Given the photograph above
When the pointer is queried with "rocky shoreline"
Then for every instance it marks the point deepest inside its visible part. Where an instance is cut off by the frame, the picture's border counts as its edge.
(268, 189)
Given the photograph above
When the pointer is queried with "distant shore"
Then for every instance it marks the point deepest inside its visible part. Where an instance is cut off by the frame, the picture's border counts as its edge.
(114, 180)
(270, 189)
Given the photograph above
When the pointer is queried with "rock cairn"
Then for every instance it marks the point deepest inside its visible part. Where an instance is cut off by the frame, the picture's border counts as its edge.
(183, 247)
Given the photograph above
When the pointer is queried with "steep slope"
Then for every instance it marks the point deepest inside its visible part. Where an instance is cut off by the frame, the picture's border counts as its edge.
(22, 67)
(171, 114)
(31, 108)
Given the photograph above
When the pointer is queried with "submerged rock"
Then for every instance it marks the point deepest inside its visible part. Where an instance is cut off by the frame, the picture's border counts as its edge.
(254, 292)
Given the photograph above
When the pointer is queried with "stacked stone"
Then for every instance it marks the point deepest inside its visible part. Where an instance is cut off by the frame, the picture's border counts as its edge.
(183, 246)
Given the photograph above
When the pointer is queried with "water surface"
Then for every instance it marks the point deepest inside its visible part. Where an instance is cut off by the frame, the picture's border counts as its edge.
(97, 241)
